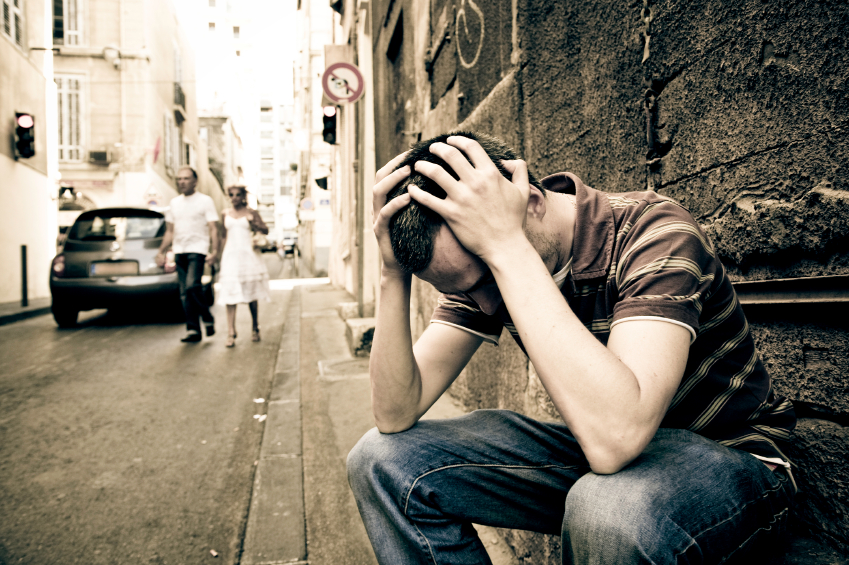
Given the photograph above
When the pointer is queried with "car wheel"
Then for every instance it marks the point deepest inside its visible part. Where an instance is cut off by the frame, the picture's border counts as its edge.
(65, 317)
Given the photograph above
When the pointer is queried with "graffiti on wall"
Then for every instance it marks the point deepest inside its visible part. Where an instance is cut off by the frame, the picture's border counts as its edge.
(469, 37)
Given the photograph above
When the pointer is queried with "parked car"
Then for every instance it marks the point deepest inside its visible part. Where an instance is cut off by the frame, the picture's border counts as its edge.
(289, 242)
(108, 260)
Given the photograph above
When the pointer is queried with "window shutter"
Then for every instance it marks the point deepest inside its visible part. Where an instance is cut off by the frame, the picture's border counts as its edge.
(69, 91)
(58, 22)
(72, 27)
(7, 25)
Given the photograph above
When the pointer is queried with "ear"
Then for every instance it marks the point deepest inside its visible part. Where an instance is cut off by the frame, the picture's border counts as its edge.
(536, 203)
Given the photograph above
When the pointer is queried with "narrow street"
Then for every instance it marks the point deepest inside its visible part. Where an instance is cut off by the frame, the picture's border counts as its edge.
(120, 444)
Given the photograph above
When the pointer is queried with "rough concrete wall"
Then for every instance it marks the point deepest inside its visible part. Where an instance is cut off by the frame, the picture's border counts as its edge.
(738, 110)
(752, 112)
(821, 451)
(582, 91)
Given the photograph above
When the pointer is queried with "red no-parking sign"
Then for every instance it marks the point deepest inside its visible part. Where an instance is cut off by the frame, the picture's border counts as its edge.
(342, 83)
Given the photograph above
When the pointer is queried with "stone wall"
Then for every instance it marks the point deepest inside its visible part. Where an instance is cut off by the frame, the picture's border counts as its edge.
(740, 110)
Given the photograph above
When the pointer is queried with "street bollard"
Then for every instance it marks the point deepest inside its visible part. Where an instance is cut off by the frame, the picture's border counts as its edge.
(24, 297)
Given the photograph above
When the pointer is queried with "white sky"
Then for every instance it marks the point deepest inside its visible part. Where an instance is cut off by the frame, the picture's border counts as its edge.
(234, 85)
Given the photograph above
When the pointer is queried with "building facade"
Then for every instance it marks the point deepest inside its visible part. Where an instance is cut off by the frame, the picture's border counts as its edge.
(354, 257)
(317, 166)
(224, 149)
(28, 218)
(127, 112)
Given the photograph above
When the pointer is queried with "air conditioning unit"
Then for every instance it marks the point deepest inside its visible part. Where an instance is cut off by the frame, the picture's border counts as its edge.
(99, 157)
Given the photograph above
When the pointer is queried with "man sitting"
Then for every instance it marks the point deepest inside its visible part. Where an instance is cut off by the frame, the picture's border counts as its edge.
(669, 450)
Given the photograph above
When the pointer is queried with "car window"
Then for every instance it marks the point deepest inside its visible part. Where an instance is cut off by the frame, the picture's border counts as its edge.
(98, 228)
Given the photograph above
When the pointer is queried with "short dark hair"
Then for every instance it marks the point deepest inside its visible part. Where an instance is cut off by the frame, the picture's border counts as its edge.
(194, 172)
(412, 230)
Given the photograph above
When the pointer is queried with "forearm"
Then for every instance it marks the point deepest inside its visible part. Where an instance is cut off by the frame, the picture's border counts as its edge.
(597, 395)
(213, 240)
(166, 242)
(395, 381)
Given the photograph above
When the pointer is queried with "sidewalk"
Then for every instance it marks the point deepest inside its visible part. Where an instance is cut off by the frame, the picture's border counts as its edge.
(302, 511)
(13, 311)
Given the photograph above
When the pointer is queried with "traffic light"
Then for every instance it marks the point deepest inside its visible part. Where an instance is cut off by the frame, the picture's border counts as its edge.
(24, 135)
(329, 130)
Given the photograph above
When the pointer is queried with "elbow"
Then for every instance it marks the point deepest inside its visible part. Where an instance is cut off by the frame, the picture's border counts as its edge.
(614, 456)
(608, 465)
(393, 426)
(393, 419)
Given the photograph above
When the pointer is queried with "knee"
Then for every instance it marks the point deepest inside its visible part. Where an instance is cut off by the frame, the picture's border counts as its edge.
(365, 459)
(603, 524)
(378, 462)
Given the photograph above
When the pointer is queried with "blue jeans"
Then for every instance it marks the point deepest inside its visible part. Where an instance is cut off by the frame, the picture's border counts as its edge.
(685, 499)
(189, 273)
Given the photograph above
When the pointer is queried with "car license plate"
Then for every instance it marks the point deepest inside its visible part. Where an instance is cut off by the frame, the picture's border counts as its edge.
(114, 268)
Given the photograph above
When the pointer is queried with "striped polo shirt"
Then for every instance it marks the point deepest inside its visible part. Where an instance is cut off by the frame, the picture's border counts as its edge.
(640, 255)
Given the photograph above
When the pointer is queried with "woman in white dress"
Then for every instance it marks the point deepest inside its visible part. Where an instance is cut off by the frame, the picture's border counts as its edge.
(243, 277)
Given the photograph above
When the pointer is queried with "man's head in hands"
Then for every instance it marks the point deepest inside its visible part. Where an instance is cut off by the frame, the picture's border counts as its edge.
(413, 230)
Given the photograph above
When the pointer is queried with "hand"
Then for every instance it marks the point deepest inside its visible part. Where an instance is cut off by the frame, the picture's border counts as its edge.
(210, 259)
(160, 259)
(385, 180)
(484, 210)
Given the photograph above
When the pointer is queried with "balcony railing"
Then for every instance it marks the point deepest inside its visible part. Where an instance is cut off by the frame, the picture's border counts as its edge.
(179, 95)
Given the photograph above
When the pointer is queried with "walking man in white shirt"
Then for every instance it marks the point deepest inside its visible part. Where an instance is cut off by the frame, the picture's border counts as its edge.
(191, 226)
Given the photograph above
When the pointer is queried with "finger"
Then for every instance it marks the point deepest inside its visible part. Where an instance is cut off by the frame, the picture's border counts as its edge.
(518, 170)
(392, 207)
(455, 159)
(428, 200)
(438, 175)
(473, 150)
(389, 167)
(382, 188)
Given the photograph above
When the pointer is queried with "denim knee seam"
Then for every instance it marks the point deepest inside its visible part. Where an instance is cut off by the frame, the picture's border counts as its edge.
(459, 465)
(764, 495)
(427, 543)
(423, 475)
(774, 520)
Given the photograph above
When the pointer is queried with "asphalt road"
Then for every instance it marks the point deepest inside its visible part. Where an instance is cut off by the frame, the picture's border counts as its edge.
(119, 444)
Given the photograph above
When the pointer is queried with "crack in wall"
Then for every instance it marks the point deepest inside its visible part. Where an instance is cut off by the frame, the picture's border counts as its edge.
(736, 160)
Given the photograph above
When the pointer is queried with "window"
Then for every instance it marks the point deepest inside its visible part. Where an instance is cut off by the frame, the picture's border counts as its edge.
(267, 182)
(174, 151)
(66, 22)
(211, 3)
(211, 26)
(235, 32)
(69, 93)
(267, 167)
(266, 134)
(13, 24)
(167, 138)
(286, 186)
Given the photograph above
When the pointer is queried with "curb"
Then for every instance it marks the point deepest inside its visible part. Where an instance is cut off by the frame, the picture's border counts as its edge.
(276, 525)
(23, 315)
